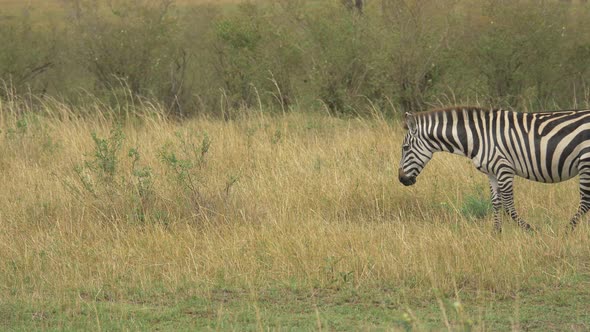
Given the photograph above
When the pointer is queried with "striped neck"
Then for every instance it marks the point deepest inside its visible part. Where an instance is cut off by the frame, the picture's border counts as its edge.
(447, 129)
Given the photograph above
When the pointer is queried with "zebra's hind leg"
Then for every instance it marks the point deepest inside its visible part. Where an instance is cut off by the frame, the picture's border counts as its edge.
(584, 198)
(496, 203)
(505, 182)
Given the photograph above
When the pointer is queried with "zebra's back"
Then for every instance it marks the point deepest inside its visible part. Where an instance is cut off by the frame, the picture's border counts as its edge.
(544, 146)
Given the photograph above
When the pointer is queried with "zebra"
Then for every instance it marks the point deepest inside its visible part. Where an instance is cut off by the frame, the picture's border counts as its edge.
(546, 147)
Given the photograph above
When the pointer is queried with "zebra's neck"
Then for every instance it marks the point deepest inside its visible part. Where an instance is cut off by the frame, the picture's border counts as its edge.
(452, 130)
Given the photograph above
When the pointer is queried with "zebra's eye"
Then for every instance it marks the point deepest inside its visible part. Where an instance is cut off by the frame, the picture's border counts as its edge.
(405, 147)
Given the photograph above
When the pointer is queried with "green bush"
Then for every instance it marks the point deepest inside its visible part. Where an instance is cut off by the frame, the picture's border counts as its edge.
(257, 58)
(418, 43)
(131, 47)
(342, 71)
(517, 50)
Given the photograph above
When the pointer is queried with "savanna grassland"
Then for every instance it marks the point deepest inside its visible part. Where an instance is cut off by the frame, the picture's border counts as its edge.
(219, 165)
(267, 222)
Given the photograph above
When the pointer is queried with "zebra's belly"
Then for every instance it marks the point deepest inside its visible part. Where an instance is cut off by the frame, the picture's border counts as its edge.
(545, 175)
(547, 179)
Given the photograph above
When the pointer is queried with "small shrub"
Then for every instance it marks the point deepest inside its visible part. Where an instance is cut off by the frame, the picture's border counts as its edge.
(130, 192)
(185, 164)
(142, 181)
(105, 160)
(98, 174)
(476, 205)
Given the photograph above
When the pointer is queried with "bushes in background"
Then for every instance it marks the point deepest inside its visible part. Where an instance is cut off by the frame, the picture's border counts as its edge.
(26, 55)
(389, 55)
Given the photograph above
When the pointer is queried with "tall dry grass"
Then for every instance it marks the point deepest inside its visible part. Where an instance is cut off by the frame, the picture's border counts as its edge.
(316, 204)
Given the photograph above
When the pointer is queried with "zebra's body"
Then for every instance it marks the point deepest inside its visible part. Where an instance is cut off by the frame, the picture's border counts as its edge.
(546, 147)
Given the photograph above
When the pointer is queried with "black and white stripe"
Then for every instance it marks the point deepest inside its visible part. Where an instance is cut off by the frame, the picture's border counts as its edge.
(546, 147)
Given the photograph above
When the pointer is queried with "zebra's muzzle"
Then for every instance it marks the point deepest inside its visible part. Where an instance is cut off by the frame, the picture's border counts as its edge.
(406, 180)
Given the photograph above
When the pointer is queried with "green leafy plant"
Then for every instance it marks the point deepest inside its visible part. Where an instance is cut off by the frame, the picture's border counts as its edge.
(98, 173)
(476, 205)
(131, 191)
(184, 165)
(105, 159)
(143, 183)
(19, 130)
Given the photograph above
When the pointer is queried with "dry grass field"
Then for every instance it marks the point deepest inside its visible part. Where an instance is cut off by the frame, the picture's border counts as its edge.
(267, 222)
(119, 218)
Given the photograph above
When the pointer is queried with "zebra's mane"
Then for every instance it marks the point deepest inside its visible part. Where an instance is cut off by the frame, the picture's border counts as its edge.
(487, 110)
(423, 116)
(458, 108)
(450, 109)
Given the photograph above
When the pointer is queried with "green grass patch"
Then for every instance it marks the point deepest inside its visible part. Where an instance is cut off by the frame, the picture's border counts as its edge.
(559, 308)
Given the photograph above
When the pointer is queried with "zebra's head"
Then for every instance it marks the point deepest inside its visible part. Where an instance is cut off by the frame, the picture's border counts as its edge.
(415, 154)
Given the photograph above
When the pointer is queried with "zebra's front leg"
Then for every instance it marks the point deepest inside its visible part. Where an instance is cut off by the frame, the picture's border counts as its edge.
(505, 182)
(584, 199)
(496, 203)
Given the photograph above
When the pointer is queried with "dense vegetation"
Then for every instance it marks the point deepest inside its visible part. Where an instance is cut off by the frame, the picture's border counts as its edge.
(394, 55)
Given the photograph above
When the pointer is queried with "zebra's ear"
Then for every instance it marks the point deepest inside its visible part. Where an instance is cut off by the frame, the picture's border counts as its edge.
(410, 122)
